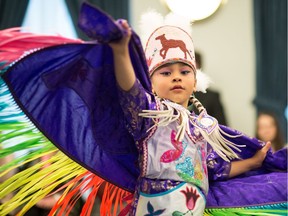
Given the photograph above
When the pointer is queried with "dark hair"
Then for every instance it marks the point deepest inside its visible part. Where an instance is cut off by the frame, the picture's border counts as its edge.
(198, 59)
(278, 141)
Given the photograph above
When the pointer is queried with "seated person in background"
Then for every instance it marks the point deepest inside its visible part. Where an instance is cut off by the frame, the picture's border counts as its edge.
(211, 99)
(268, 129)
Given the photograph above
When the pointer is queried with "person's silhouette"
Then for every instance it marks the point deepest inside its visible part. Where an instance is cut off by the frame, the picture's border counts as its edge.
(211, 99)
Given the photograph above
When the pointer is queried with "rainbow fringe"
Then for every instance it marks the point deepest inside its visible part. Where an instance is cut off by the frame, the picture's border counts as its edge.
(58, 173)
(279, 209)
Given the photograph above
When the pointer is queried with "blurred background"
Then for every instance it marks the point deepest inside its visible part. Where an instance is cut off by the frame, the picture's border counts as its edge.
(243, 45)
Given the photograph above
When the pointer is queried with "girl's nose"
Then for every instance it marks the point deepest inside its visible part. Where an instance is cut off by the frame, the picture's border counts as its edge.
(176, 78)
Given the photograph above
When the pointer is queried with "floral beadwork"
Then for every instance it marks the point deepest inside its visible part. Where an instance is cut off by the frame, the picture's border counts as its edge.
(186, 167)
(172, 154)
(191, 199)
(152, 211)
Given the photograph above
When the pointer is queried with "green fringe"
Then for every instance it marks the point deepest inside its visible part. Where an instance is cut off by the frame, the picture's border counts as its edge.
(3, 69)
(19, 135)
(279, 209)
(17, 132)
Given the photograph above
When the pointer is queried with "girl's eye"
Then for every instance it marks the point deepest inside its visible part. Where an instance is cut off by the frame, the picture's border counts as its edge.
(185, 72)
(165, 73)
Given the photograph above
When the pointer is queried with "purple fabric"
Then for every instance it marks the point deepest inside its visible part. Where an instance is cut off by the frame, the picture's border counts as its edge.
(132, 103)
(69, 92)
(218, 169)
(244, 191)
(70, 95)
(98, 25)
(256, 187)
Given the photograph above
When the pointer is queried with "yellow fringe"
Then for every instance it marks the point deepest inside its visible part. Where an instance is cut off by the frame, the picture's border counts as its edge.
(36, 182)
(16, 166)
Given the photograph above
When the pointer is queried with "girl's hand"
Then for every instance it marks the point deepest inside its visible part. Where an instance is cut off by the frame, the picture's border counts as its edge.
(260, 155)
(121, 45)
(242, 166)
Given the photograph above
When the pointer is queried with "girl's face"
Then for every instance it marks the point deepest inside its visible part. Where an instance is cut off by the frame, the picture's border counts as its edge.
(266, 128)
(175, 82)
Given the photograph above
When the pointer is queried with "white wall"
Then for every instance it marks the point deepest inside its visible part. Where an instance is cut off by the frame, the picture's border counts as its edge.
(226, 41)
(38, 18)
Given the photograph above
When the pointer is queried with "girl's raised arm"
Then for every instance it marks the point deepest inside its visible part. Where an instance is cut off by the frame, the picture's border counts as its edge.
(124, 71)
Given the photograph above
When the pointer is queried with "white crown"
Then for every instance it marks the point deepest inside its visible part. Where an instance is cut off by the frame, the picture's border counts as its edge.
(169, 44)
(175, 28)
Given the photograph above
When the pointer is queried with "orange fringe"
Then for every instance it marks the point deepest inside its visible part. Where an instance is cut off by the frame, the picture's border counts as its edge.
(112, 197)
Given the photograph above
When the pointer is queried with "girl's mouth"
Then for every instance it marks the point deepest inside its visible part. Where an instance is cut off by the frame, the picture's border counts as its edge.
(177, 87)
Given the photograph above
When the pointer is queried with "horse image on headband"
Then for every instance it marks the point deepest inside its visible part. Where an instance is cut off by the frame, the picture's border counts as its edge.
(167, 44)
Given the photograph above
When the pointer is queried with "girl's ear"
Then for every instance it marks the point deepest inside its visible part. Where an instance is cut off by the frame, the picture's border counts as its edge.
(154, 92)
(195, 86)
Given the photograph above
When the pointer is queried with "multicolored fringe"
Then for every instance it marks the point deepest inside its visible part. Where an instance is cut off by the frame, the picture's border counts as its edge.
(279, 209)
(46, 177)
(56, 173)
(15, 44)
(112, 197)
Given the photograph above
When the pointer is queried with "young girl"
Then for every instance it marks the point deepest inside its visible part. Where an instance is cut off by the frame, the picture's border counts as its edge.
(172, 149)
(65, 98)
